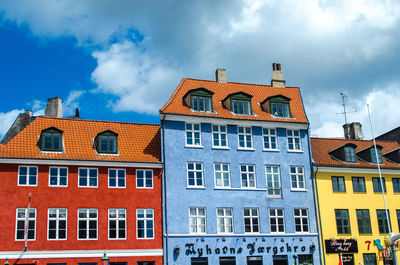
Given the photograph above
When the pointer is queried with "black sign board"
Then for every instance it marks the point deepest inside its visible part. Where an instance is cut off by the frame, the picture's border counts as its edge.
(347, 245)
(348, 259)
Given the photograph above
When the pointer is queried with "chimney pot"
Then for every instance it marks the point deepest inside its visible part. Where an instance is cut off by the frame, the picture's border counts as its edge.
(220, 75)
(277, 80)
(54, 108)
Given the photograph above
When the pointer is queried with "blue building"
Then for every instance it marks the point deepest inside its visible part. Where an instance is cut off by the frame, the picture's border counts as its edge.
(237, 179)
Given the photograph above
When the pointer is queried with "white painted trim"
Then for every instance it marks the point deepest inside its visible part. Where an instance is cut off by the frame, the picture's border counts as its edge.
(80, 253)
(243, 235)
(242, 189)
(227, 121)
(91, 163)
(356, 170)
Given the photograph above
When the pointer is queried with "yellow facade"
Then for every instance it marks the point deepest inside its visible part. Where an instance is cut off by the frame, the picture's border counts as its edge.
(328, 201)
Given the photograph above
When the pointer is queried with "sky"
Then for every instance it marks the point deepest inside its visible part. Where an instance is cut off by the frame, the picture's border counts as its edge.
(121, 60)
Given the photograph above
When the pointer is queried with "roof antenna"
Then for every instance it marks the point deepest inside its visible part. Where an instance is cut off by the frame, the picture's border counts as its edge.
(344, 112)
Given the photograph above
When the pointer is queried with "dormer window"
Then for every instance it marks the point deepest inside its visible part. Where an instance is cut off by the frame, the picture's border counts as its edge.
(51, 140)
(350, 154)
(277, 106)
(199, 99)
(106, 142)
(240, 103)
(373, 155)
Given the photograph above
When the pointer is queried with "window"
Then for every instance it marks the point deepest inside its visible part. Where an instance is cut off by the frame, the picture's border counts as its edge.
(369, 259)
(250, 219)
(358, 184)
(227, 260)
(222, 175)
(27, 176)
(297, 178)
(338, 184)
(276, 220)
(193, 134)
(350, 154)
(377, 184)
(254, 260)
(116, 223)
(58, 176)
(87, 223)
(270, 139)
(383, 221)
(87, 177)
(20, 226)
(195, 174)
(57, 223)
(364, 222)
(373, 155)
(106, 142)
(116, 178)
(197, 220)
(144, 178)
(200, 102)
(145, 223)
(280, 109)
(293, 137)
(248, 176)
(245, 138)
(342, 221)
(145, 263)
(241, 107)
(396, 185)
(51, 140)
(273, 181)
(225, 220)
(219, 135)
(199, 261)
(305, 259)
(301, 220)
(398, 218)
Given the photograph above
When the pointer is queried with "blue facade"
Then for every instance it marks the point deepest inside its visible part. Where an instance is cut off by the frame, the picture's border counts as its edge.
(183, 247)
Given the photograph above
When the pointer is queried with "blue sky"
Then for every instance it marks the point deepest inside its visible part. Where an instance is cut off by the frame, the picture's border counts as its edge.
(121, 60)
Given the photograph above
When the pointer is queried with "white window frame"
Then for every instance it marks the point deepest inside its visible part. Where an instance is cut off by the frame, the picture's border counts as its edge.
(291, 139)
(273, 175)
(195, 171)
(224, 218)
(58, 177)
(24, 219)
(192, 131)
(301, 217)
(88, 219)
(248, 173)
(296, 175)
(57, 219)
(251, 217)
(218, 134)
(116, 220)
(88, 177)
(245, 134)
(116, 178)
(277, 217)
(27, 176)
(144, 219)
(197, 217)
(222, 172)
(145, 179)
(268, 136)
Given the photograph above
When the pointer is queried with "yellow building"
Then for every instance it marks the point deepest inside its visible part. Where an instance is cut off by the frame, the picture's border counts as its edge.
(350, 203)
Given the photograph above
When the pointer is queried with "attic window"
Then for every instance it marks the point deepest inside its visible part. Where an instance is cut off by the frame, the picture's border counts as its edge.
(201, 101)
(373, 155)
(107, 142)
(241, 104)
(280, 107)
(51, 140)
(350, 154)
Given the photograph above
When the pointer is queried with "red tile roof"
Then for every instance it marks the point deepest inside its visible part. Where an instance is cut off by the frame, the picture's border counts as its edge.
(136, 142)
(322, 146)
(259, 93)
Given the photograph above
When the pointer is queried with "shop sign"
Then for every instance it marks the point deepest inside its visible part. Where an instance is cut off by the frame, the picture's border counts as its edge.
(347, 245)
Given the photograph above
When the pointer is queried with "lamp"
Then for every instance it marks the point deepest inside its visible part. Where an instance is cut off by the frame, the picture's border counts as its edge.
(6, 263)
(177, 250)
(104, 259)
(223, 239)
(312, 246)
(202, 239)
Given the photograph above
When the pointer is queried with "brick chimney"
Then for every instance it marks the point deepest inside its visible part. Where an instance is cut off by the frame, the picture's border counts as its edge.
(220, 75)
(54, 108)
(353, 131)
(277, 79)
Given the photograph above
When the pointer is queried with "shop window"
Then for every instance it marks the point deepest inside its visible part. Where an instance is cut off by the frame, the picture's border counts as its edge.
(305, 259)
(369, 259)
(227, 261)
(199, 261)
(280, 260)
(144, 263)
(254, 260)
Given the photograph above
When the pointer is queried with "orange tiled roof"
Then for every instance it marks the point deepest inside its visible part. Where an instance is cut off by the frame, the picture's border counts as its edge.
(175, 104)
(322, 146)
(136, 142)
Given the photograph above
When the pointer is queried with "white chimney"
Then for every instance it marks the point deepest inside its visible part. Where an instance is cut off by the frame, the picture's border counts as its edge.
(277, 79)
(54, 108)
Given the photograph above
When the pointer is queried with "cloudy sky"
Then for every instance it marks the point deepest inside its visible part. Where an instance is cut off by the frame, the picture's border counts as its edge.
(121, 60)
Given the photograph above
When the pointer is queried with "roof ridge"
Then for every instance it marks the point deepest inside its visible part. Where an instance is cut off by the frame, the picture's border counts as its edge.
(102, 121)
(239, 83)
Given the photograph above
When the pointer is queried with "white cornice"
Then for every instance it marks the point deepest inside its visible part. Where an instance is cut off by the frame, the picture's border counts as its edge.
(79, 253)
(244, 235)
(77, 163)
(224, 121)
(356, 170)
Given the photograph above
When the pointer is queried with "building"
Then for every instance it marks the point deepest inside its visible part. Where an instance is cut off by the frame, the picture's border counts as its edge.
(349, 197)
(392, 135)
(93, 188)
(237, 179)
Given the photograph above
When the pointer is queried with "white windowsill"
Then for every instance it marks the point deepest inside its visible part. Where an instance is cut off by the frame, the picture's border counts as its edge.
(194, 146)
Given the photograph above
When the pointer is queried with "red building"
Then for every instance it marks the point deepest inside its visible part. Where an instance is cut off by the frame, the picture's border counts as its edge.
(94, 187)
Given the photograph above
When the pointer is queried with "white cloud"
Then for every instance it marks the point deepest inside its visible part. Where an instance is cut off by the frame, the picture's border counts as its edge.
(72, 102)
(7, 119)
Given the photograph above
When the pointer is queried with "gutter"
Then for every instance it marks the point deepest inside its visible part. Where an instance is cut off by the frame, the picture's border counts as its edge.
(164, 194)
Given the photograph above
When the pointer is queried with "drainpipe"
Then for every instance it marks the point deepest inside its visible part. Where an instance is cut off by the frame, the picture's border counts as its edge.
(164, 194)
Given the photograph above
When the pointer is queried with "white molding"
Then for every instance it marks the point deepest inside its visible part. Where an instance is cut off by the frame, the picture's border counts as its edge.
(244, 235)
(80, 253)
(92, 163)
(225, 121)
(356, 170)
